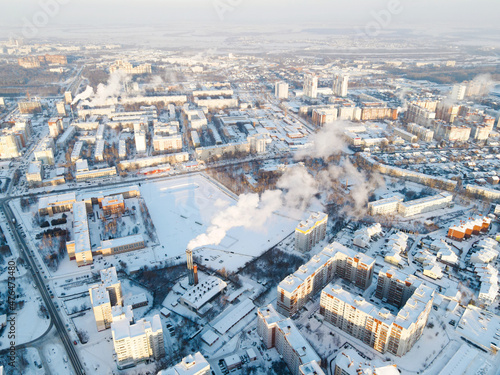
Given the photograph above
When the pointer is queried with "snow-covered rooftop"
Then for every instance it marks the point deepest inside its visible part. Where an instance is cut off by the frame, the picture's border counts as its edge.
(206, 289)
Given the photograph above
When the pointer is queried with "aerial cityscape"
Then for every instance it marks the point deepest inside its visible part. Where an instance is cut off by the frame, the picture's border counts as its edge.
(226, 187)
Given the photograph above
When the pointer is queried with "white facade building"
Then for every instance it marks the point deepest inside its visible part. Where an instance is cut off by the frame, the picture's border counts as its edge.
(281, 90)
(135, 343)
(340, 85)
(309, 232)
(311, 86)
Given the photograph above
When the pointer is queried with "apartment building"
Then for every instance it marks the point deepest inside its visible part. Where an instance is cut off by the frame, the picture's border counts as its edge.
(386, 206)
(101, 306)
(421, 132)
(128, 68)
(104, 297)
(34, 172)
(374, 326)
(10, 146)
(79, 248)
(121, 245)
(28, 107)
(50, 205)
(44, 152)
(335, 260)
(407, 136)
(482, 191)
(193, 364)
(309, 232)
(322, 116)
(113, 204)
(350, 362)
(167, 143)
(422, 205)
(95, 173)
(279, 332)
(419, 115)
(395, 287)
(281, 90)
(77, 150)
(138, 342)
(311, 86)
(99, 150)
(55, 126)
(340, 85)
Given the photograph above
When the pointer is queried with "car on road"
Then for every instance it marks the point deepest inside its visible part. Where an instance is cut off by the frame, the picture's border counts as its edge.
(75, 343)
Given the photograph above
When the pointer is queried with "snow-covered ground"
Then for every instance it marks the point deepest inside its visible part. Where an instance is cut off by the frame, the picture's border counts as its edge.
(182, 208)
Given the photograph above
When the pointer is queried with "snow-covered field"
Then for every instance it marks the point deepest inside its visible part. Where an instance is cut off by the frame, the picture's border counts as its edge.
(182, 208)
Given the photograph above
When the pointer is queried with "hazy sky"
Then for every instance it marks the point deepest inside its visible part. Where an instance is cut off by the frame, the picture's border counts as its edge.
(355, 13)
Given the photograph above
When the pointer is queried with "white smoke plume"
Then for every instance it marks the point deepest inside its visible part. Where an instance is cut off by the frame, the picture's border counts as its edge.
(298, 190)
(112, 89)
(326, 142)
(253, 211)
(89, 91)
(481, 85)
(334, 179)
(300, 187)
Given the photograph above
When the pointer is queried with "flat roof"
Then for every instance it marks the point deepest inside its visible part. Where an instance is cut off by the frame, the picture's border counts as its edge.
(210, 337)
(207, 288)
(193, 364)
(298, 343)
(136, 238)
(232, 315)
(480, 327)
(81, 228)
(109, 276)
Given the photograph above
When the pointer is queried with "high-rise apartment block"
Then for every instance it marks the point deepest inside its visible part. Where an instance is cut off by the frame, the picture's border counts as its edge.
(55, 126)
(104, 296)
(309, 232)
(335, 260)
(374, 326)
(340, 84)
(281, 90)
(395, 287)
(350, 362)
(10, 146)
(279, 332)
(140, 140)
(311, 86)
(139, 342)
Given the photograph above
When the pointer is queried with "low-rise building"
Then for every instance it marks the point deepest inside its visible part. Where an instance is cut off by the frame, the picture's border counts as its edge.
(113, 204)
(34, 172)
(79, 248)
(121, 245)
(95, 173)
(193, 364)
(386, 206)
(418, 206)
(198, 295)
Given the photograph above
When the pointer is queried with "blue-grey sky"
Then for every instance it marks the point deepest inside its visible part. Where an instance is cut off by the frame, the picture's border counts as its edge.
(355, 13)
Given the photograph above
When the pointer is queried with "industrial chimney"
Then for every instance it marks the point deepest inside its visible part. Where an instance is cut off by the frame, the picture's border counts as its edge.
(195, 274)
(189, 255)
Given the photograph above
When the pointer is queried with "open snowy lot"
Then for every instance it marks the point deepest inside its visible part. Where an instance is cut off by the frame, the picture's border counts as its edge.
(182, 208)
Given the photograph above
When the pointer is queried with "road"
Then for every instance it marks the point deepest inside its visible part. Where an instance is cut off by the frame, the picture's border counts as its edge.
(55, 318)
